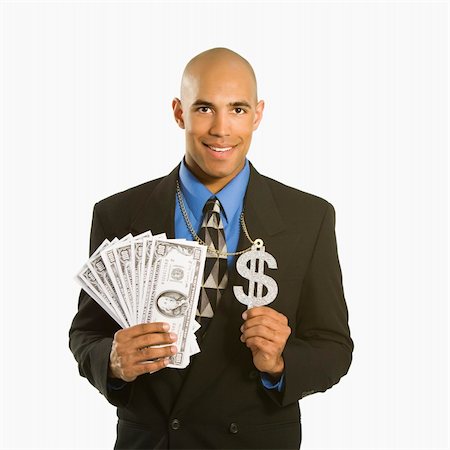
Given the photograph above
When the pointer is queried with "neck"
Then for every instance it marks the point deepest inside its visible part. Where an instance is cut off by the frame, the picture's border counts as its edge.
(214, 184)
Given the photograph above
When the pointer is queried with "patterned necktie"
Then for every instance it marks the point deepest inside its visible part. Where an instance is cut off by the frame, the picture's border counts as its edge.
(215, 276)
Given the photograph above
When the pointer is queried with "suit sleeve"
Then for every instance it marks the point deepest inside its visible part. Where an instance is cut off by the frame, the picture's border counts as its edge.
(92, 332)
(319, 351)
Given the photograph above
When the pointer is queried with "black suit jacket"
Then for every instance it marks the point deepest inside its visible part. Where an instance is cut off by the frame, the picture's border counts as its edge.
(219, 400)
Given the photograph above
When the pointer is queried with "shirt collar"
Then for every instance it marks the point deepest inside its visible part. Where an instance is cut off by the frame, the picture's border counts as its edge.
(230, 196)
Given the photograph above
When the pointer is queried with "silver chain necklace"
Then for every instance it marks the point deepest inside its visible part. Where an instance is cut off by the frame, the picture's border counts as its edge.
(200, 241)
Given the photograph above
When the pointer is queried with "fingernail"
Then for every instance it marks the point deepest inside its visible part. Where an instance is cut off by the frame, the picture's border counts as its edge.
(173, 349)
(173, 336)
(166, 361)
(244, 315)
(242, 328)
(166, 327)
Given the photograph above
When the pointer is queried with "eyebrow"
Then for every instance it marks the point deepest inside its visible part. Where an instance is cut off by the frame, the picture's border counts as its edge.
(238, 104)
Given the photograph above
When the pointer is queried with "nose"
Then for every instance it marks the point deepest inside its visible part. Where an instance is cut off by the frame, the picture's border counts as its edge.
(220, 125)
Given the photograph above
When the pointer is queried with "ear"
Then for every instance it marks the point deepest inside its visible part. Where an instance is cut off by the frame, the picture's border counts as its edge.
(258, 114)
(178, 112)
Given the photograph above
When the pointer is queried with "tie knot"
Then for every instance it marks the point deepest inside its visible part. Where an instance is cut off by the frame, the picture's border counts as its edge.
(212, 205)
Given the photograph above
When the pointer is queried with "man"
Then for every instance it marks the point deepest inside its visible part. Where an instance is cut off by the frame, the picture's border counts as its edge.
(242, 390)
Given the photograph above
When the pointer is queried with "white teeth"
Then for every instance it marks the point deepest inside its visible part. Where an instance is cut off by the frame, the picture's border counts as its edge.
(216, 149)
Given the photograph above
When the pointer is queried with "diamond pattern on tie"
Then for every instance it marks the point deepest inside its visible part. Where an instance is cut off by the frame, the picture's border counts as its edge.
(215, 276)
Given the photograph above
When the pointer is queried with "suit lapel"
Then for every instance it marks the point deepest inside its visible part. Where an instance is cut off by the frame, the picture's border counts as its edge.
(222, 342)
(158, 209)
(261, 211)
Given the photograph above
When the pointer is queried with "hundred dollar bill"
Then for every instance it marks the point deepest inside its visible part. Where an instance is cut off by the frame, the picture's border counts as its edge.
(81, 280)
(109, 259)
(87, 281)
(98, 268)
(148, 246)
(173, 294)
(138, 243)
(124, 260)
(146, 271)
(113, 307)
(93, 287)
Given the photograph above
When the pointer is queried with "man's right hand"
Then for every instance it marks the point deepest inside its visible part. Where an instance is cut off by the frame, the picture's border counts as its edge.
(133, 350)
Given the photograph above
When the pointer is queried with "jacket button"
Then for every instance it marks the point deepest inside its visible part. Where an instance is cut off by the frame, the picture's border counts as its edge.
(175, 424)
(234, 428)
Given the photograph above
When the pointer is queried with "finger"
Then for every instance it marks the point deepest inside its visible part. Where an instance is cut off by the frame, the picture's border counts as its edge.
(266, 327)
(151, 366)
(262, 332)
(268, 349)
(265, 321)
(152, 353)
(150, 339)
(142, 329)
(264, 311)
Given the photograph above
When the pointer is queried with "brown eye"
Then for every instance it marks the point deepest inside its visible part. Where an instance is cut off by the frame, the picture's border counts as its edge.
(239, 110)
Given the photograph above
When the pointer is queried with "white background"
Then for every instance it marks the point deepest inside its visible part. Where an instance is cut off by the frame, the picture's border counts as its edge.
(356, 112)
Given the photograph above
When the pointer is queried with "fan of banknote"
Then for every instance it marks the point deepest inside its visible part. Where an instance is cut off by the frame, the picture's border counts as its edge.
(149, 278)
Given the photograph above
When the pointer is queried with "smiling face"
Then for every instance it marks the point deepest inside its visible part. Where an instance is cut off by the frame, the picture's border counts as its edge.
(219, 112)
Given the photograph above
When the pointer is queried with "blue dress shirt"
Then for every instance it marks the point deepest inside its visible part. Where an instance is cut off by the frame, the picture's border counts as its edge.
(231, 197)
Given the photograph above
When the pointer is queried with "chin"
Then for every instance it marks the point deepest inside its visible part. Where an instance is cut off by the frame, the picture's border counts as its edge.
(219, 174)
(223, 169)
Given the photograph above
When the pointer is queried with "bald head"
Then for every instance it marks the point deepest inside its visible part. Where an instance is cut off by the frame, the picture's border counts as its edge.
(219, 110)
(215, 61)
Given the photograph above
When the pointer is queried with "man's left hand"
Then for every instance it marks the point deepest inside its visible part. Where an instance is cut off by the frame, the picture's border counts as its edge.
(265, 332)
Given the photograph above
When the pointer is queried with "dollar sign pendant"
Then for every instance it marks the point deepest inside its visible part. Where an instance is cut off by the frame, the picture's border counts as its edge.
(257, 256)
